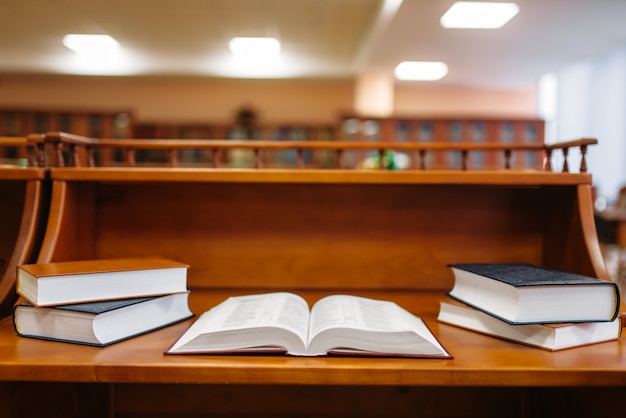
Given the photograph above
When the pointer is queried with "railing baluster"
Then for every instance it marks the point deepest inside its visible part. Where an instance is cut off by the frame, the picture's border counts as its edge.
(41, 154)
(217, 153)
(58, 147)
(91, 162)
(547, 161)
(172, 154)
(507, 158)
(74, 160)
(300, 158)
(464, 154)
(32, 155)
(422, 154)
(130, 157)
(339, 153)
(381, 159)
(583, 159)
(565, 163)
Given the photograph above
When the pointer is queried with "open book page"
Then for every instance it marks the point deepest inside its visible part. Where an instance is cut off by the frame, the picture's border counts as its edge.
(343, 324)
(279, 322)
(265, 322)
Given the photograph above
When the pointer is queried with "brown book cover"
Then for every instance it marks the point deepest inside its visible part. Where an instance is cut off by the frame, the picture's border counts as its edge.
(81, 281)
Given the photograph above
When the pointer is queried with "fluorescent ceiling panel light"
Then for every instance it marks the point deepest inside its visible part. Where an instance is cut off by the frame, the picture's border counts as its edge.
(421, 70)
(254, 47)
(478, 15)
(90, 44)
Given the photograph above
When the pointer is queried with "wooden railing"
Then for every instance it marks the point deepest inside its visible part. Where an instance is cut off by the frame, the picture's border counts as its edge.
(75, 151)
(13, 141)
(17, 143)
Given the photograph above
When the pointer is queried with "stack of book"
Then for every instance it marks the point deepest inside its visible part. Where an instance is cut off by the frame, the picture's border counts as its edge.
(100, 302)
(540, 307)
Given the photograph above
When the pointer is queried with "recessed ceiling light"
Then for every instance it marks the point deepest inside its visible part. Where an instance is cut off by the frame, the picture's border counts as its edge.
(421, 70)
(478, 15)
(90, 44)
(254, 47)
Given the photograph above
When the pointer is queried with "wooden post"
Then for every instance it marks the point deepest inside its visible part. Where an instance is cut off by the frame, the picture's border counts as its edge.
(58, 147)
(257, 158)
(130, 157)
(583, 160)
(507, 158)
(547, 161)
(91, 162)
(339, 158)
(300, 158)
(173, 156)
(74, 158)
(464, 155)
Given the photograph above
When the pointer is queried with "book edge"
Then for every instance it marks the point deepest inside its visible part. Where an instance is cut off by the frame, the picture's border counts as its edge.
(78, 342)
(512, 340)
(112, 265)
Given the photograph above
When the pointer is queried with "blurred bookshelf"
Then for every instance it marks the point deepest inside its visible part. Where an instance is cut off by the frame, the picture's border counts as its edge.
(450, 130)
(95, 123)
(121, 123)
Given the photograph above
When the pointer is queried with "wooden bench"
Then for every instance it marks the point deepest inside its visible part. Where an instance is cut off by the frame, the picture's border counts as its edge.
(378, 233)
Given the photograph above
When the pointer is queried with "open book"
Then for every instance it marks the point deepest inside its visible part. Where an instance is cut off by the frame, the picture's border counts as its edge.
(282, 322)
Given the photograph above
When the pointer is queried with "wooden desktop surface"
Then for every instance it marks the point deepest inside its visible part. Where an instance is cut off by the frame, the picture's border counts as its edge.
(379, 234)
(478, 360)
(409, 226)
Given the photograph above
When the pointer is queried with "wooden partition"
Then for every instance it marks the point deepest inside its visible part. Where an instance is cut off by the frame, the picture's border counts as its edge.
(322, 229)
(24, 194)
(385, 234)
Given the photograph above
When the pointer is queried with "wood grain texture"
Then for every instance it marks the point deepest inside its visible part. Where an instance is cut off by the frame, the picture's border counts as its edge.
(375, 234)
(479, 360)
(24, 202)
(334, 230)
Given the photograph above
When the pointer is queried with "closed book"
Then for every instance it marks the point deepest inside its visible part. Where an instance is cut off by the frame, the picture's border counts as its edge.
(550, 337)
(100, 323)
(60, 283)
(527, 294)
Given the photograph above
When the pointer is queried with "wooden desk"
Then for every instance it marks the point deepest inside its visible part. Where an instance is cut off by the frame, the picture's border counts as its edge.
(378, 234)
(487, 377)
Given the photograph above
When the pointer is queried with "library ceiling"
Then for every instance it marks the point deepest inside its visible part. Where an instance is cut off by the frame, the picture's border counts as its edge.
(319, 38)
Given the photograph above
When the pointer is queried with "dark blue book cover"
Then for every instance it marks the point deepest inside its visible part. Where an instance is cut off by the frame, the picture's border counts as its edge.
(528, 275)
(139, 316)
(539, 294)
(100, 306)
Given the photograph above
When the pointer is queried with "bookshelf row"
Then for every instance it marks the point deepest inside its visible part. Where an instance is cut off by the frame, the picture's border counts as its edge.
(94, 123)
(452, 130)
(122, 124)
